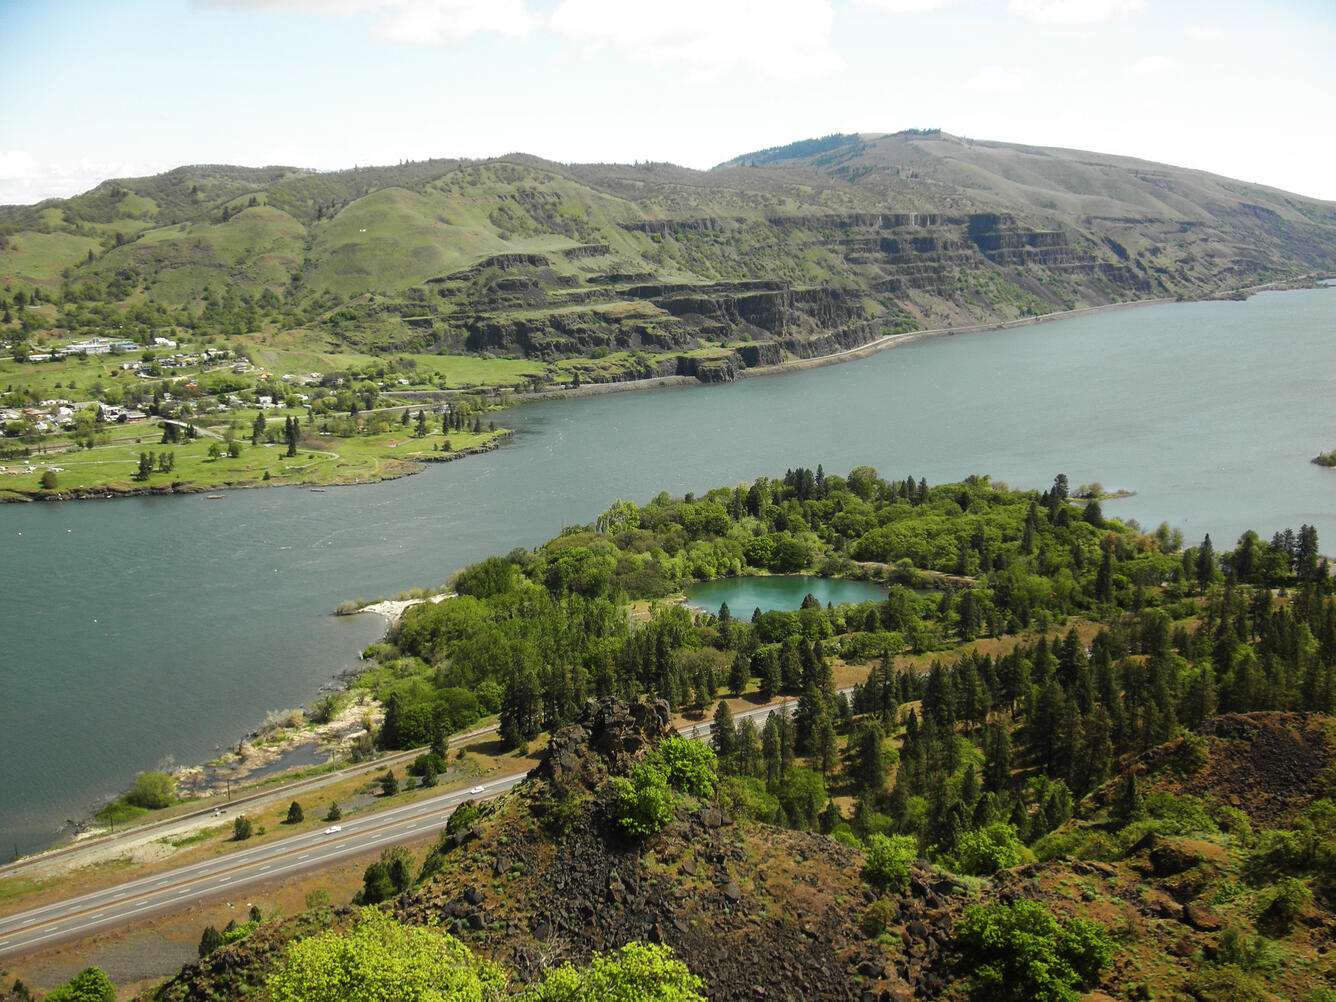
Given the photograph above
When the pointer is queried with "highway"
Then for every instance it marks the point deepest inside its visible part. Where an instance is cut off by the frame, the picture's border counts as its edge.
(230, 874)
(234, 872)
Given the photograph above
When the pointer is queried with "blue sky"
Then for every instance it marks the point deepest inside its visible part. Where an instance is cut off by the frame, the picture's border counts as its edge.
(98, 90)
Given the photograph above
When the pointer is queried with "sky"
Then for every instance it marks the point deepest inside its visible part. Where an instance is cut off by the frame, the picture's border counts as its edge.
(95, 90)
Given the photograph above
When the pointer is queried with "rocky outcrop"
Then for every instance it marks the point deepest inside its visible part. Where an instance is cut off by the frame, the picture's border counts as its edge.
(607, 738)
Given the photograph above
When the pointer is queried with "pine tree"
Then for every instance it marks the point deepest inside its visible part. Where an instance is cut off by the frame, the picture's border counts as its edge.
(1205, 564)
(724, 737)
(739, 673)
(770, 748)
(1129, 806)
(211, 939)
(870, 759)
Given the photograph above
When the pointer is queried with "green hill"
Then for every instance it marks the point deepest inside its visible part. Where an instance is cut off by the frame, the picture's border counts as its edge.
(795, 251)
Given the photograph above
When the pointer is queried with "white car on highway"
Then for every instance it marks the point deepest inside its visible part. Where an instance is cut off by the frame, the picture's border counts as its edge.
(476, 789)
(332, 829)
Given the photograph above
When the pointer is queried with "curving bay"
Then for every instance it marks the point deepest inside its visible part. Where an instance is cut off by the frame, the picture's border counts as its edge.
(149, 630)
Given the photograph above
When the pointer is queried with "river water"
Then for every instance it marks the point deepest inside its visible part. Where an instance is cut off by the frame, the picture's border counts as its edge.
(143, 632)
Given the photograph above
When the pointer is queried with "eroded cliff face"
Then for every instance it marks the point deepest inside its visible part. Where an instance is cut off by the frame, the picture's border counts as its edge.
(897, 271)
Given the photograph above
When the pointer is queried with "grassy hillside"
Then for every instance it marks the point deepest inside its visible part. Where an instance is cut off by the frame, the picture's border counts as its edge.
(601, 272)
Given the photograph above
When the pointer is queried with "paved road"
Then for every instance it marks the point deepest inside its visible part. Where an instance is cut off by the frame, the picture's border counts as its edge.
(229, 875)
(185, 823)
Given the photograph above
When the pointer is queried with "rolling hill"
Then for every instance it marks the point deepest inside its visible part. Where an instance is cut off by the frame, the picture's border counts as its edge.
(795, 251)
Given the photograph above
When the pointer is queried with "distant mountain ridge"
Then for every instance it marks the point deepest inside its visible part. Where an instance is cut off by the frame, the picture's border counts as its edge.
(797, 250)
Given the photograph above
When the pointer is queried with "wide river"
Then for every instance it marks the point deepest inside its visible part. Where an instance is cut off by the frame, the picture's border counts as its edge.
(149, 631)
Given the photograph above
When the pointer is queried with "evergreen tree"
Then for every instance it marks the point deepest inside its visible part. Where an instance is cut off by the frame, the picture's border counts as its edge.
(739, 673)
(724, 738)
(870, 759)
(747, 759)
(1205, 564)
(1129, 805)
(770, 748)
(210, 941)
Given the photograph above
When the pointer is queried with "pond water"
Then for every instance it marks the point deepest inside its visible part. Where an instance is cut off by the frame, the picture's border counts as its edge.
(781, 591)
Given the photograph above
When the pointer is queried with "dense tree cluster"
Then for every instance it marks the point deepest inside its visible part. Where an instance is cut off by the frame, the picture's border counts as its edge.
(934, 745)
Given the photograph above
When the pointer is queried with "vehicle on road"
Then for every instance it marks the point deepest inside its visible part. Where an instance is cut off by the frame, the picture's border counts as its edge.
(476, 789)
(332, 829)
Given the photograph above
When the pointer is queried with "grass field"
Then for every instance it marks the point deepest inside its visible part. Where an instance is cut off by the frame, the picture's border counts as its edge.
(111, 467)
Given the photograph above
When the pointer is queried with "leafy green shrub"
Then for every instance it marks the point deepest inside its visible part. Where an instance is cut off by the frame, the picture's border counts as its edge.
(466, 814)
(802, 795)
(747, 799)
(1080, 843)
(986, 850)
(845, 835)
(879, 916)
(89, 985)
(242, 828)
(153, 790)
(1290, 899)
(644, 802)
(1020, 952)
(1192, 753)
(888, 859)
(427, 762)
(1178, 814)
(1226, 984)
(1251, 953)
(235, 932)
(381, 959)
(688, 766)
(636, 973)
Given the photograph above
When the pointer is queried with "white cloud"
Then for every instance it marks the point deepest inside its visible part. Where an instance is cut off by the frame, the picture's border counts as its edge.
(25, 180)
(1075, 11)
(709, 38)
(1149, 65)
(1206, 32)
(905, 6)
(417, 22)
(997, 80)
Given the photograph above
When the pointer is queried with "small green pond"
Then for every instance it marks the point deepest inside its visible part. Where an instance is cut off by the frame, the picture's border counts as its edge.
(783, 592)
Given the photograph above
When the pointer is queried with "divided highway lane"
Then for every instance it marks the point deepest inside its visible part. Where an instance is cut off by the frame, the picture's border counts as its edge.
(238, 805)
(235, 872)
(230, 874)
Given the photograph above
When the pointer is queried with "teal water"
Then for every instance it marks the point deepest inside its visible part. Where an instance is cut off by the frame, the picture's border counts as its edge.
(782, 591)
(138, 632)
